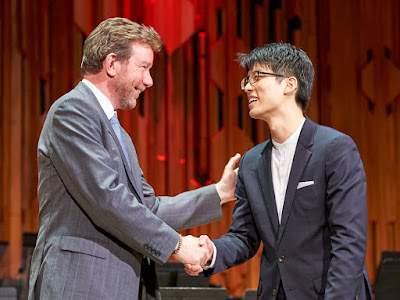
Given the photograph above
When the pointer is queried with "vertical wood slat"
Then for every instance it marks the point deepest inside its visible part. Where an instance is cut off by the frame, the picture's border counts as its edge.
(191, 125)
(176, 122)
(203, 104)
(396, 110)
(158, 133)
(29, 99)
(6, 39)
(61, 36)
(14, 142)
(5, 46)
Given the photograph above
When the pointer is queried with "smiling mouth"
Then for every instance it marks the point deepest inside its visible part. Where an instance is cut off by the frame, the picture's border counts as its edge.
(252, 100)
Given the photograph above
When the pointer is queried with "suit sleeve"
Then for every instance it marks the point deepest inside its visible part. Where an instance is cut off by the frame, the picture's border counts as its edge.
(347, 206)
(242, 241)
(186, 210)
(88, 172)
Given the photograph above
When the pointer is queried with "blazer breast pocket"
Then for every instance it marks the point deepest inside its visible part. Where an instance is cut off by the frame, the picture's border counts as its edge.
(304, 187)
(306, 201)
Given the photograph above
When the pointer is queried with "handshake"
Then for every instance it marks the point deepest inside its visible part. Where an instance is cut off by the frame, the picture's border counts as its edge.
(195, 253)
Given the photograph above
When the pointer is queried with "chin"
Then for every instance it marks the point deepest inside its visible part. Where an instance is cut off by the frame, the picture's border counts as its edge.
(253, 114)
(128, 104)
(131, 104)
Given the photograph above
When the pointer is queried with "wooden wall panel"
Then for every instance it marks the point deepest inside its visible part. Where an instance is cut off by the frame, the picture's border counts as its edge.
(4, 46)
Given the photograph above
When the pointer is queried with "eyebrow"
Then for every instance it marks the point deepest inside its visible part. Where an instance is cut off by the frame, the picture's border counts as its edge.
(255, 70)
(146, 64)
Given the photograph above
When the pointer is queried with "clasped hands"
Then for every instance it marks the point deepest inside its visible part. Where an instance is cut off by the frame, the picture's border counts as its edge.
(195, 253)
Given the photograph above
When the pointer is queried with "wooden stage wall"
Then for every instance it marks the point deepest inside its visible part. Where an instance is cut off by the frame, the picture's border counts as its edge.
(195, 117)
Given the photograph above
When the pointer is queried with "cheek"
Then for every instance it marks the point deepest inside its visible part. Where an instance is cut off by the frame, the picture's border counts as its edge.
(137, 77)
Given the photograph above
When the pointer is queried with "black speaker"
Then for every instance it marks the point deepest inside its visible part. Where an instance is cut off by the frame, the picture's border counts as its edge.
(193, 293)
(8, 293)
(387, 280)
(172, 274)
(250, 294)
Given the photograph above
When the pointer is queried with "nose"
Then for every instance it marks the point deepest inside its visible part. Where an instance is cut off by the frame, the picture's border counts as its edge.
(248, 87)
(147, 79)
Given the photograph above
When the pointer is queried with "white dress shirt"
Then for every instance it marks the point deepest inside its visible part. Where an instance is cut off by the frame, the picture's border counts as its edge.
(281, 164)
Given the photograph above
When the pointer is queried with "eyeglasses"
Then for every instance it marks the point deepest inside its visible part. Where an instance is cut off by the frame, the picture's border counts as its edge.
(255, 76)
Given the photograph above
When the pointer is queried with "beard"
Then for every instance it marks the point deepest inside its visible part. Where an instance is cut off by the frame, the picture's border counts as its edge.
(124, 93)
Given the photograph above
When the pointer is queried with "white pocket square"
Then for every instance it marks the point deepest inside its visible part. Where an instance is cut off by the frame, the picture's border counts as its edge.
(304, 184)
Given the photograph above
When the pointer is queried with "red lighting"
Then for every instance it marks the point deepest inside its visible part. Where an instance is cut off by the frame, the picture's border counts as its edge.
(161, 157)
(195, 183)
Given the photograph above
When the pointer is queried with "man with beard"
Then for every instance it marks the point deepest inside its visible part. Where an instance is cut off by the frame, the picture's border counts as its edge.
(101, 228)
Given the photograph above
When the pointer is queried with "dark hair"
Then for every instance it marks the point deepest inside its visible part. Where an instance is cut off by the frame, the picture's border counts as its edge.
(285, 59)
(115, 35)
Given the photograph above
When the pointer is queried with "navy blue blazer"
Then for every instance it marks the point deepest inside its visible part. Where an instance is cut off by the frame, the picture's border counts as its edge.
(318, 250)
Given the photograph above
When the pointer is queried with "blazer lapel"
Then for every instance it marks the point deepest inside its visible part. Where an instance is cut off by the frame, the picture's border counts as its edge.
(300, 160)
(265, 177)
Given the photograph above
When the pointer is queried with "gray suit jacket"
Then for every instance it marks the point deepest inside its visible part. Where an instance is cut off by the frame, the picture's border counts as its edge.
(318, 250)
(98, 218)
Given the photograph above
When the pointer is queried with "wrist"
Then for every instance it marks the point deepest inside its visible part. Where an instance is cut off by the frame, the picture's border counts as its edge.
(221, 194)
(179, 245)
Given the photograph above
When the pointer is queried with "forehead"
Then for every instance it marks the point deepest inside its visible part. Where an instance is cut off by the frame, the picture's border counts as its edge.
(141, 53)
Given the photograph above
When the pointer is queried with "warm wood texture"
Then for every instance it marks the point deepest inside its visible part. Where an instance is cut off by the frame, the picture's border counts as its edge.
(195, 117)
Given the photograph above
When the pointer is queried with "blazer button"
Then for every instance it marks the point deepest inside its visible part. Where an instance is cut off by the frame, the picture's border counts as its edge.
(274, 292)
(356, 297)
(281, 258)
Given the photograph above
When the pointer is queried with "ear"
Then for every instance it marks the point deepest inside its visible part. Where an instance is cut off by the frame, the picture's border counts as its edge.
(110, 64)
(291, 85)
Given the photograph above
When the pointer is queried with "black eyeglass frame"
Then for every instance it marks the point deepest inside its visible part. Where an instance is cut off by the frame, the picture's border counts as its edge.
(246, 80)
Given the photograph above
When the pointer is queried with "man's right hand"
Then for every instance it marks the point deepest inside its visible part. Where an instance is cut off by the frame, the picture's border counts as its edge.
(196, 269)
(192, 252)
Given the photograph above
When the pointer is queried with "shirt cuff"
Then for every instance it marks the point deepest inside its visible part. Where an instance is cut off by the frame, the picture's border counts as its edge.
(212, 264)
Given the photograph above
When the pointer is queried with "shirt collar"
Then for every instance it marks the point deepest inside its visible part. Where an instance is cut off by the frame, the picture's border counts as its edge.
(291, 140)
(103, 100)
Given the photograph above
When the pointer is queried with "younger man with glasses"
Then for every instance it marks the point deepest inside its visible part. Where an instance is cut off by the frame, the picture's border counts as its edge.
(302, 193)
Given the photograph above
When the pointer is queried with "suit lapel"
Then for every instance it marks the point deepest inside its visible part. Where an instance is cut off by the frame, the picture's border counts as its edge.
(301, 157)
(136, 171)
(133, 180)
(265, 177)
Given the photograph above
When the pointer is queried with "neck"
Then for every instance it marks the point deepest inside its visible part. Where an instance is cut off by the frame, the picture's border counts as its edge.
(282, 127)
(101, 81)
